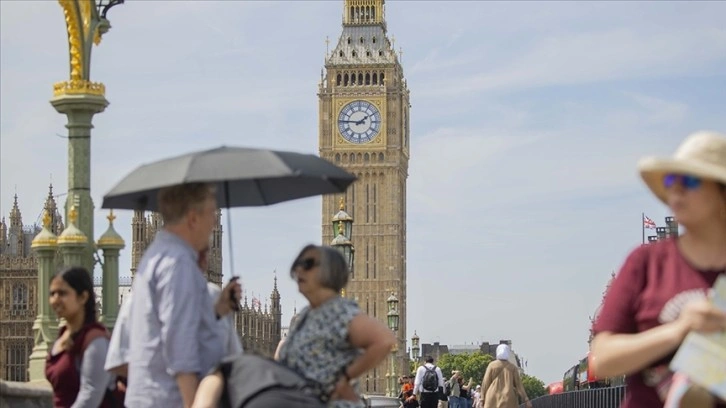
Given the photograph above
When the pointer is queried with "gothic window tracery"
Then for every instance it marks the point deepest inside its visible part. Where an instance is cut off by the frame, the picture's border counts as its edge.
(20, 296)
(375, 78)
(368, 76)
(337, 80)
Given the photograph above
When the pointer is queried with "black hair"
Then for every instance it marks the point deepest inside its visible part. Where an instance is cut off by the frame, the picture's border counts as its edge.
(78, 278)
(429, 359)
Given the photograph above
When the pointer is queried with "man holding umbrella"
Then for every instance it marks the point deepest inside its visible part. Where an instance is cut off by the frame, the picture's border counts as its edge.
(173, 339)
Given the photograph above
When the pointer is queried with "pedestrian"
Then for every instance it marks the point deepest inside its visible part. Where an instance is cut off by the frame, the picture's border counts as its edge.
(173, 336)
(661, 291)
(502, 386)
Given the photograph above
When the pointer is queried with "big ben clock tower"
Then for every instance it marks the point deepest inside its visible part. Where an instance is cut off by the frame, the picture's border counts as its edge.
(364, 104)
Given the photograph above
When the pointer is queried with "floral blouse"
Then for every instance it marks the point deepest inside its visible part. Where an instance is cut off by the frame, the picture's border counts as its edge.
(317, 345)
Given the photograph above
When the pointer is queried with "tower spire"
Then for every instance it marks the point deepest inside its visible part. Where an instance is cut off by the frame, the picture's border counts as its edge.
(364, 12)
(16, 219)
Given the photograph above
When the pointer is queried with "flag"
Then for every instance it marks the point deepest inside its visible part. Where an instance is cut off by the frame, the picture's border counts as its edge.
(648, 223)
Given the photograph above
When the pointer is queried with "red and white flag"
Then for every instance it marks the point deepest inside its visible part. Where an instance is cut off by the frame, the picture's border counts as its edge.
(648, 223)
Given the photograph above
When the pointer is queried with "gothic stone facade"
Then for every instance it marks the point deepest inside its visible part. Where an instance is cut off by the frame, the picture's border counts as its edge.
(364, 128)
(19, 289)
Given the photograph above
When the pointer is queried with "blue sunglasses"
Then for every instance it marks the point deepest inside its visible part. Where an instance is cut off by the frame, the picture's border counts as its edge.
(688, 182)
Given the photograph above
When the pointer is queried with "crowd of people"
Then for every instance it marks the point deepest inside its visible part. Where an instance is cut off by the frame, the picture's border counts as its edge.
(174, 346)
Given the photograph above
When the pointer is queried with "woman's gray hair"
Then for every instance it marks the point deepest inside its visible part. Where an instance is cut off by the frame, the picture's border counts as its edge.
(334, 271)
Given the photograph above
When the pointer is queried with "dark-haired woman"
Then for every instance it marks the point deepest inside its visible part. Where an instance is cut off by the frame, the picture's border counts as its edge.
(74, 366)
(331, 342)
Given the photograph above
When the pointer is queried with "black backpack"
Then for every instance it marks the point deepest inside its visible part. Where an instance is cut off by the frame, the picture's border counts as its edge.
(430, 379)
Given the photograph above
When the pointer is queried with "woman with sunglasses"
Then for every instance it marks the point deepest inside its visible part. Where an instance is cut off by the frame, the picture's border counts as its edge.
(330, 342)
(661, 291)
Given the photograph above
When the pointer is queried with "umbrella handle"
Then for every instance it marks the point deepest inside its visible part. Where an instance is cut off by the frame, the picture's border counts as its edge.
(235, 302)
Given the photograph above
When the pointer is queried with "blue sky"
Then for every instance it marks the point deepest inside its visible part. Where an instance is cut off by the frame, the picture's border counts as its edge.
(527, 119)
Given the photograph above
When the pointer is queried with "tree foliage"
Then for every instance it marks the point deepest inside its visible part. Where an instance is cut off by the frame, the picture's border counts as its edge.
(533, 386)
(471, 365)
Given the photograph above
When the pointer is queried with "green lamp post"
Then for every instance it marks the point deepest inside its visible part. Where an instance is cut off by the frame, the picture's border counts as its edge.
(393, 318)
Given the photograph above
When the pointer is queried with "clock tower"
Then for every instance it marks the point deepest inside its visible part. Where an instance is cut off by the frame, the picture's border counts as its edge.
(363, 128)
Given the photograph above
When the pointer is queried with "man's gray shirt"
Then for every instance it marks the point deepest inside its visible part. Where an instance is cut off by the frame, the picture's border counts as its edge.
(172, 324)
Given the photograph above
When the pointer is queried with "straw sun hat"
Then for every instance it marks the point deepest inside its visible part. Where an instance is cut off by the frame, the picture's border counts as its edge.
(702, 154)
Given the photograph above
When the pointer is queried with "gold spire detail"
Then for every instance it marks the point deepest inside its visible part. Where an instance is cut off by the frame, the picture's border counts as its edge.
(342, 203)
(47, 219)
(73, 214)
(110, 217)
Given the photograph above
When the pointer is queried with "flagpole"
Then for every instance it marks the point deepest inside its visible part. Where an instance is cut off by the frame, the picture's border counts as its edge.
(642, 225)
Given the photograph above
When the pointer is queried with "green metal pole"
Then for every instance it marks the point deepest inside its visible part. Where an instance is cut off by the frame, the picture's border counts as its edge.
(45, 328)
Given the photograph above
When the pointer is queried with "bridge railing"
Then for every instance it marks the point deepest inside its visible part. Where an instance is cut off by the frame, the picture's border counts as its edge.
(595, 398)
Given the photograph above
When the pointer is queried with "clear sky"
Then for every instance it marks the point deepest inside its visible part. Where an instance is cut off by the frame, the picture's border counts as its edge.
(527, 119)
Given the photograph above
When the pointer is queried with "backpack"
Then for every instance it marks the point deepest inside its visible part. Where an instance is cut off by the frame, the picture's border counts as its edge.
(430, 379)
(447, 389)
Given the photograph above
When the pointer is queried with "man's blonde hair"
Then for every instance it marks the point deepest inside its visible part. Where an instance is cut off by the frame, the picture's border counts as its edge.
(176, 201)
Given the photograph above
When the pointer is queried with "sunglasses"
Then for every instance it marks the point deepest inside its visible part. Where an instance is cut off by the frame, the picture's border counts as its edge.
(687, 182)
(306, 264)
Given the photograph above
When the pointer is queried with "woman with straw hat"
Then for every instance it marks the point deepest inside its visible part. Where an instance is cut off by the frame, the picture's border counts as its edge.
(660, 294)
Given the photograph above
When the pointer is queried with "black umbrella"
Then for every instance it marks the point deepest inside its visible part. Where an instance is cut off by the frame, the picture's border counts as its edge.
(244, 177)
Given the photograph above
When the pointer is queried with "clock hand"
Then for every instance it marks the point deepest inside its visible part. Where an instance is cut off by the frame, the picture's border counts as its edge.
(362, 121)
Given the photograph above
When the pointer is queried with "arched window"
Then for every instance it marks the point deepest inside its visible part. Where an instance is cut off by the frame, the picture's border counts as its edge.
(354, 53)
(337, 157)
(380, 157)
(345, 80)
(345, 157)
(375, 78)
(340, 53)
(362, 40)
(383, 79)
(368, 78)
(352, 158)
(374, 38)
(373, 13)
(366, 158)
(20, 297)
(360, 79)
(358, 157)
(337, 80)
(352, 77)
(348, 40)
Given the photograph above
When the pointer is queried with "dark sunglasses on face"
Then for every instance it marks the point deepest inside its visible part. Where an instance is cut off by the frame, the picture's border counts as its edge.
(687, 182)
(306, 264)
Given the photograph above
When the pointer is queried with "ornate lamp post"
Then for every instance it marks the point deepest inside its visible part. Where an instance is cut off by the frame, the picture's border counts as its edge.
(393, 325)
(415, 347)
(79, 99)
(343, 231)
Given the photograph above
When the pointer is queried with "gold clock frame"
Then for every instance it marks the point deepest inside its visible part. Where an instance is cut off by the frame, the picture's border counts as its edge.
(380, 140)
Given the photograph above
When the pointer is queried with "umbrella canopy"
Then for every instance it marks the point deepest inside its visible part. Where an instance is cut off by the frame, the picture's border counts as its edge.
(245, 177)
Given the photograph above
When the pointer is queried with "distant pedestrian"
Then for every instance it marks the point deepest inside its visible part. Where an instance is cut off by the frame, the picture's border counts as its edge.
(502, 385)
(428, 384)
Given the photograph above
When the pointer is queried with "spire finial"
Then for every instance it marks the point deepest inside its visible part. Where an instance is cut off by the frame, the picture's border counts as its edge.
(342, 203)
(110, 217)
(327, 44)
(72, 214)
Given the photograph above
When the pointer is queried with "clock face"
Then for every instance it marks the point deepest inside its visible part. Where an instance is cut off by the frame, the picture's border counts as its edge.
(359, 122)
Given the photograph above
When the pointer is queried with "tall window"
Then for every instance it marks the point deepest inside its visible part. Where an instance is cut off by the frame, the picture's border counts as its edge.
(20, 297)
(17, 354)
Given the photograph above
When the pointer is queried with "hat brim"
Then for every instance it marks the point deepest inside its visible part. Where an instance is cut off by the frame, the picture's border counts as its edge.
(653, 169)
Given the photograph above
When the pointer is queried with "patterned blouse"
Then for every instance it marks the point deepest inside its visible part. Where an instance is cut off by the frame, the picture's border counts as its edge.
(317, 345)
